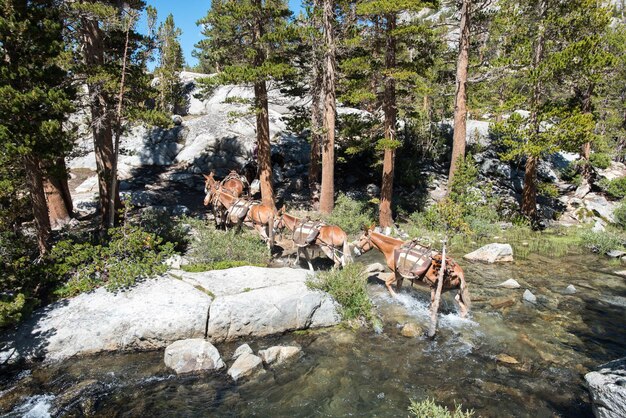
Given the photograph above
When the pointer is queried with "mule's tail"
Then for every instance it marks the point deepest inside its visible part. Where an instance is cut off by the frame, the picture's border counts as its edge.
(346, 257)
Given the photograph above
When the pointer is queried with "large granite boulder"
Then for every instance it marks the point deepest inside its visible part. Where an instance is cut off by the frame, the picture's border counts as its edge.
(151, 315)
(279, 354)
(221, 305)
(492, 253)
(192, 355)
(608, 389)
(253, 301)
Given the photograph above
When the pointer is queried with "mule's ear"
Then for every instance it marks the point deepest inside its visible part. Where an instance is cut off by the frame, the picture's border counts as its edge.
(206, 177)
(363, 227)
(371, 228)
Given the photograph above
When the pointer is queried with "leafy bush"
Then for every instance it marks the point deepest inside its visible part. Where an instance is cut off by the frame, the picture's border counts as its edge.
(162, 224)
(620, 214)
(601, 242)
(349, 288)
(600, 160)
(351, 214)
(547, 190)
(615, 188)
(429, 409)
(130, 254)
(210, 246)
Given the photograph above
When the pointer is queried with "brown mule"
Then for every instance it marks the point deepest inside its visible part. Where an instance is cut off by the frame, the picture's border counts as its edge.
(331, 239)
(239, 210)
(453, 279)
(233, 183)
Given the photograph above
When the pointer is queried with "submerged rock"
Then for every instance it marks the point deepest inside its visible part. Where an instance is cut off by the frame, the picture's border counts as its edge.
(503, 302)
(245, 365)
(278, 354)
(608, 389)
(192, 355)
(616, 253)
(492, 253)
(510, 284)
(505, 358)
(411, 330)
(375, 268)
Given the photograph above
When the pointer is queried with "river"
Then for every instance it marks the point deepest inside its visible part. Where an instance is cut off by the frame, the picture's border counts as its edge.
(345, 372)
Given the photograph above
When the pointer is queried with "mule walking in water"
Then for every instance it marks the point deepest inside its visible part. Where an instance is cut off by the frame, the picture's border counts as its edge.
(331, 239)
(408, 260)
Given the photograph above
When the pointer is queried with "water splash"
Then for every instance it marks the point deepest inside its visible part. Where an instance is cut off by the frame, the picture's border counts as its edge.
(37, 406)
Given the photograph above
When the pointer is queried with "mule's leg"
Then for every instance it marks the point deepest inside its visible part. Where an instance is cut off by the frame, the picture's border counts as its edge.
(399, 283)
(330, 253)
(462, 307)
(391, 279)
(308, 259)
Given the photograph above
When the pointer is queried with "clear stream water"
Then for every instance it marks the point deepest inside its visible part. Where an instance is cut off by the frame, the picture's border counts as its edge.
(343, 372)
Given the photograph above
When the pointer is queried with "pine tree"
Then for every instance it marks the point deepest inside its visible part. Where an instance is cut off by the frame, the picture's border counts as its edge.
(535, 48)
(100, 29)
(388, 56)
(35, 98)
(246, 41)
(170, 64)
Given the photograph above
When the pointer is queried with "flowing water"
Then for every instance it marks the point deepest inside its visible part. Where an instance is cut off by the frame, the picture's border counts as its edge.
(344, 372)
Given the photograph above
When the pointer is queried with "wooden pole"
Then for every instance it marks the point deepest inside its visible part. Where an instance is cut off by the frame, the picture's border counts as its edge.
(434, 308)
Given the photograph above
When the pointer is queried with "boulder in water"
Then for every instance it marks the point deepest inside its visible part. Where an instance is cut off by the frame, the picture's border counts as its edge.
(245, 365)
(241, 350)
(278, 354)
(375, 268)
(492, 253)
(569, 290)
(529, 297)
(608, 389)
(195, 354)
(411, 330)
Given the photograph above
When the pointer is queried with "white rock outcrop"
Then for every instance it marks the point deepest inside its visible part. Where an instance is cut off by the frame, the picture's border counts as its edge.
(492, 253)
(192, 355)
(219, 305)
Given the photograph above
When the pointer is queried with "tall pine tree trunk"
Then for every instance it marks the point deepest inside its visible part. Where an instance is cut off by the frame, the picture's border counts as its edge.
(101, 119)
(327, 196)
(58, 198)
(263, 143)
(34, 174)
(385, 218)
(529, 192)
(316, 116)
(460, 100)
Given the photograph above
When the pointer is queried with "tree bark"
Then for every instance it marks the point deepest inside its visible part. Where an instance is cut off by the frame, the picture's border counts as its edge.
(385, 217)
(34, 174)
(316, 116)
(101, 119)
(587, 107)
(327, 196)
(264, 151)
(529, 192)
(58, 198)
(460, 100)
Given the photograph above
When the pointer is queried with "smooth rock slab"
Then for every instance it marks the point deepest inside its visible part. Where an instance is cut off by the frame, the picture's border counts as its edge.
(192, 355)
(278, 354)
(150, 315)
(245, 365)
(608, 389)
(492, 253)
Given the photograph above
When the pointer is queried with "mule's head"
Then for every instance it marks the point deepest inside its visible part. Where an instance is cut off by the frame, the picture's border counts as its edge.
(364, 243)
(209, 181)
(279, 220)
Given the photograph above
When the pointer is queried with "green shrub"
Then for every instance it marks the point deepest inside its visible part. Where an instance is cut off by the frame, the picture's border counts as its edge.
(351, 214)
(429, 409)
(210, 246)
(615, 188)
(620, 214)
(349, 288)
(601, 242)
(600, 160)
(162, 224)
(547, 190)
(130, 254)
(11, 309)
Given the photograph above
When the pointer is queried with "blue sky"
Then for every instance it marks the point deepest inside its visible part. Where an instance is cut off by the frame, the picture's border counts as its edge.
(186, 13)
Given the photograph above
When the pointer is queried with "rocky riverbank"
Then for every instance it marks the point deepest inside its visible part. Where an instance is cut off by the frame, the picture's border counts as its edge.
(221, 305)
